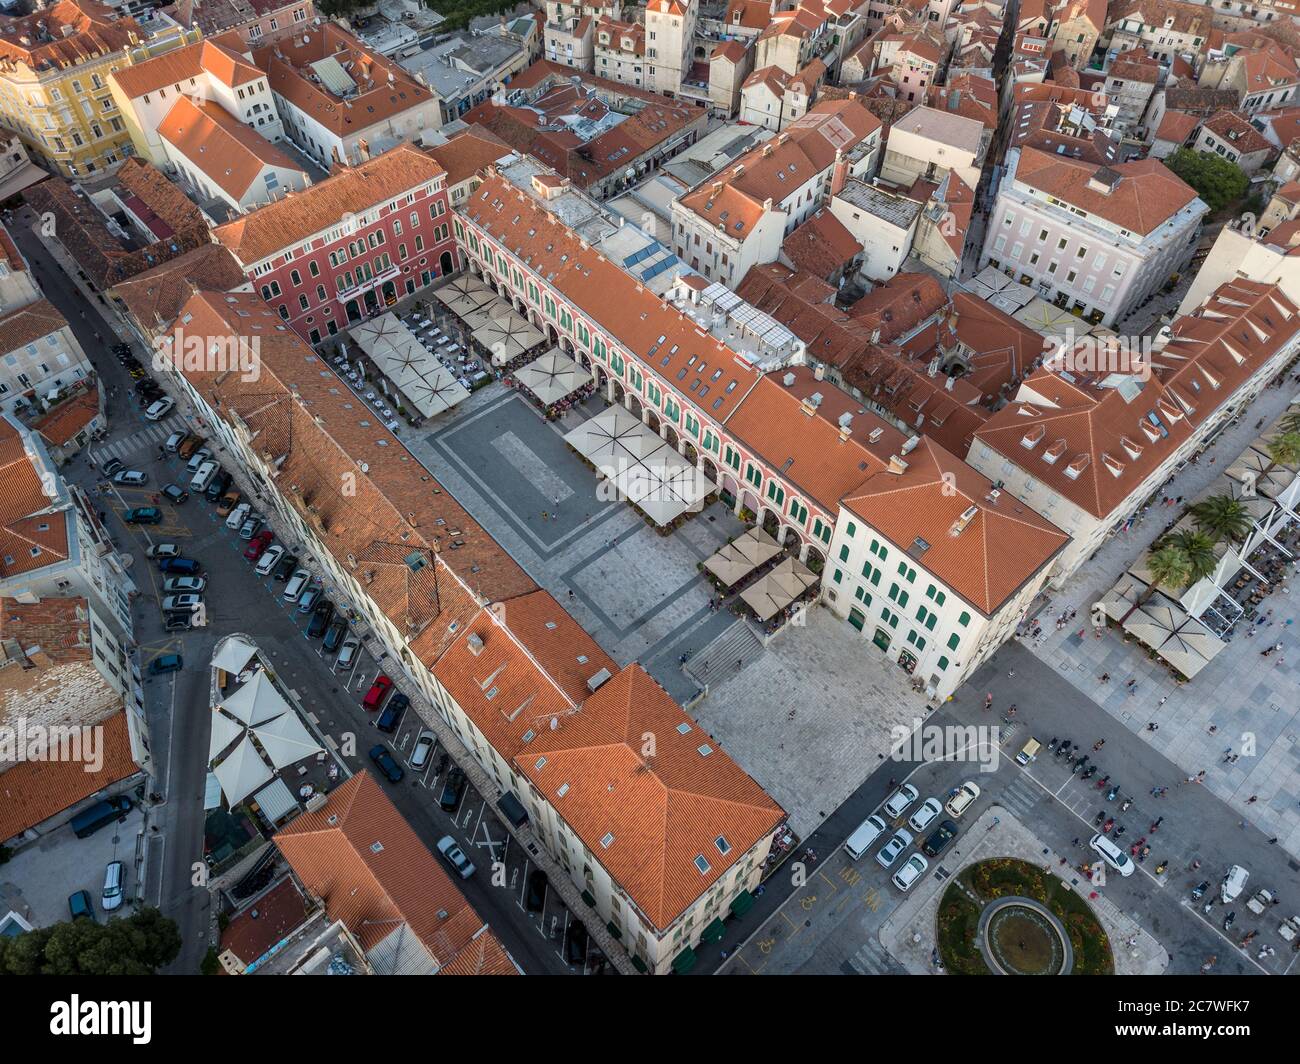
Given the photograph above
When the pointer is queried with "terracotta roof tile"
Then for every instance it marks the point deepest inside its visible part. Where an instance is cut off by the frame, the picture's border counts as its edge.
(821, 245)
(154, 298)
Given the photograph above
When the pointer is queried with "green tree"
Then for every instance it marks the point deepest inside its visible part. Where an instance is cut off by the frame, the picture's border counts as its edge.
(137, 945)
(1199, 550)
(1283, 450)
(1215, 180)
(1168, 566)
(1290, 422)
(1221, 517)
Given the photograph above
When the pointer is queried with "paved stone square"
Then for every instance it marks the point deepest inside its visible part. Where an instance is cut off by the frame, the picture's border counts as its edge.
(642, 598)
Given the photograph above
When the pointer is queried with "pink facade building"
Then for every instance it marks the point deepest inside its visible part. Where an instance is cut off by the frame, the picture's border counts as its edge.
(347, 248)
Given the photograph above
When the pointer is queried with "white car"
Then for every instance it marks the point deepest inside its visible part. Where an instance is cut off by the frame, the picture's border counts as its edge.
(193, 603)
(455, 856)
(898, 842)
(270, 559)
(920, 820)
(179, 584)
(423, 750)
(1112, 855)
(160, 409)
(296, 586)
(347, 652)
(111, 898)
(174, 441)
(162, 550)
(236, 516)
(913, 869)
(961, 801)
(197, 459)
(131, 478)
(900, 800)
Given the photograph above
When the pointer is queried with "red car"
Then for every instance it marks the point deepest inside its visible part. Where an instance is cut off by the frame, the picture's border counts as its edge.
(378, 691)
(258, 544)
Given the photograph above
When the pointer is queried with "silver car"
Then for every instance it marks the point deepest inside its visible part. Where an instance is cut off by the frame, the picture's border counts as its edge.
(347, 652)
(178, 584)
(900, 841)
(455, 856)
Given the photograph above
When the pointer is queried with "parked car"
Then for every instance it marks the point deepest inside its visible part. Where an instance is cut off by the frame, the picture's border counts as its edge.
(392, 714)
(192, 603)
(535, 897)
(422, 751)
(160, 409)
(178, 622)
(111, 466)
(142, 515)
(174, 494)
(455, 856)
(334, 634)
(149, 396)
(898, 842)
(297, 584)
(378, 690)
(347, 653)
(132, 478)
(320, 619)
(80, 905)
(452, 789)
(286, 567)
(251, 526)
(923, 817)
(386, 763)
(940, 839)
(144, 385)
(269, 559)
(227, 503)
(258, 544)
(913, 869)
(237, 516)
(191, 443)
(961, 801)
(114, 875)
(181, 584)
(900, 800)
(307, 602)
(162, 550)
(180, 566)
(1113, 855)
(217, 486)
(864, 835)
(197, 458)
(173, 441)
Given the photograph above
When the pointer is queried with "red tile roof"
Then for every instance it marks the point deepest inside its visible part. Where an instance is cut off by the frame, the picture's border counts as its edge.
(821, 245)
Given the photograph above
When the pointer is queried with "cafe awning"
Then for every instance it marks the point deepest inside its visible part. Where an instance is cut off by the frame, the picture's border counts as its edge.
(552, 377)
(742, 556)
(464, 295)
(714, 932)
(742, 903)
(416, 372)
(777, 589)
(684, 961)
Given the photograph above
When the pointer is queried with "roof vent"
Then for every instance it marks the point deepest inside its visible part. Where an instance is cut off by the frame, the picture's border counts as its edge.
(595, 682)
(475, 644)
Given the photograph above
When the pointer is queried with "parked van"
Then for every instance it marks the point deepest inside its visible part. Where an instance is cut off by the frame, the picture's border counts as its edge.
(1028, 752)
(863, 836)
(112, 896)
(204, 476)
(99, 815)
(236, 516)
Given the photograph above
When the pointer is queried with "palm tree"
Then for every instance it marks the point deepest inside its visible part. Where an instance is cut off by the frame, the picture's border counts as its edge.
(1168, 566)
(1283, 450)
(1199, 549)
(1290, 422)
(1221, 517)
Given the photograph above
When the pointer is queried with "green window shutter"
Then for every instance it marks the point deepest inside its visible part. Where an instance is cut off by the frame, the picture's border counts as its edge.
(844, 553)
(943, 663)
(953, 640)
(964, 619)
(850, 529)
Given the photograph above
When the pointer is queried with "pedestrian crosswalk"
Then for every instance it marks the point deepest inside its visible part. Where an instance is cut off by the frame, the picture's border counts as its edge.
(873, 959)
(1021, 796)
(150, 435)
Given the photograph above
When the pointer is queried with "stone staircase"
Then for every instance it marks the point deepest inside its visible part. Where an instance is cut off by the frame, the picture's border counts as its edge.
(727, 655)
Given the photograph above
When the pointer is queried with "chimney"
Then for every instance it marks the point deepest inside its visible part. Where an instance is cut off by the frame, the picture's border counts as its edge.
(896, 465)
(839, 172)
(475, 644)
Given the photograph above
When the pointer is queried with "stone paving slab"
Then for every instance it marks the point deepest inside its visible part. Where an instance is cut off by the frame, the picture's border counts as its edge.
(909, 931)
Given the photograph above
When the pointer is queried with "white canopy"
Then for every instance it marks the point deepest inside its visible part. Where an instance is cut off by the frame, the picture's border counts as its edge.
(414, 371)
(276, 801)
(1049, 319)
(233, 655)
(506, 334)
(257, 701)
(225, 730)
(644, 468)
(465, 294)
(286, 740)
(552, 377)
(242, 772)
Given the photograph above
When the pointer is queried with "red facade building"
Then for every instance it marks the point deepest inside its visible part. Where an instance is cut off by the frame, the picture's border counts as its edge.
(345, 249)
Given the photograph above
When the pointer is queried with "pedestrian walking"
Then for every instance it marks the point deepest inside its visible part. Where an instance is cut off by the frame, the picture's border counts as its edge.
(1252, 799)
(1214, 729)
(1098, 745)
(1273, 841)
(1153, 726)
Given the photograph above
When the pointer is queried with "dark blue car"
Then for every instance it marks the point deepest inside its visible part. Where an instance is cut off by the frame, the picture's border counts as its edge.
(386, 763)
